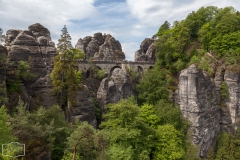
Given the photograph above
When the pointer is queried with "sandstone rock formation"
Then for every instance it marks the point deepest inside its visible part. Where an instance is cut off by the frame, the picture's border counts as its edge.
(112, 89)
(84, 109)
(233, 81)
(101, 47)
(198, 96)
(146, 51)
(35, 46)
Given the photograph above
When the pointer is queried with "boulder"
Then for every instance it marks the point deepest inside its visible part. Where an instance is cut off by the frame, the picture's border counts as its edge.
(38, 30)
(84, 108)
(112, 89)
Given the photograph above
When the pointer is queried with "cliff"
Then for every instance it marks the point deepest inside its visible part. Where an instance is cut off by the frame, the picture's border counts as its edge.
(199, 98)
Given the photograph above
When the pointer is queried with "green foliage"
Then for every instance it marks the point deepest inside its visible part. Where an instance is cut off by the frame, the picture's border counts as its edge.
(152, 87)
(128, 132)
(2, 93)
(22, 73)
(204, 65)
(225, 147)
(170, 114)
(2, 37)
(65, 77)
(5, 128)
(224, 91)
(62, 130)
(40, 128)
(134, 76)
(147, 114)
(87, 143)
(165, 26)
(169, 145)
(96, 109)
(121, 114)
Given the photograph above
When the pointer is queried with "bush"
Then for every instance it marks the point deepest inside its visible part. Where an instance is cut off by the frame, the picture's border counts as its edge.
(224, 91)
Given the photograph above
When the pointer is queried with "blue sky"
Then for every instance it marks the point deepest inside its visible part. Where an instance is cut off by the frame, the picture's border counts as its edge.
(129, 21)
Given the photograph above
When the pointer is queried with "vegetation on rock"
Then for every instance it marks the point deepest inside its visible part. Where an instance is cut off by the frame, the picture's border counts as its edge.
(66, 78)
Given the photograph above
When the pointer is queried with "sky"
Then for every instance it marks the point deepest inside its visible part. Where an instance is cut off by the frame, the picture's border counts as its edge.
(129, 21)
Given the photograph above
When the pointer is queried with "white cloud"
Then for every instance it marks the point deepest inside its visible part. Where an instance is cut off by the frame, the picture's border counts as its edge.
(52, 13)
(129, 49)
(155, 12)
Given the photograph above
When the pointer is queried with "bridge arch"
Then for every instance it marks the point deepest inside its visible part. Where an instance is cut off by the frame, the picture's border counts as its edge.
(140, 70)
(113, 69)
(90, 70)
(150, 67)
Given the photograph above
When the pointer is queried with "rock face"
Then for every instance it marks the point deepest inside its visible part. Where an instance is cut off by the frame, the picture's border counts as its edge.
(199, 98)
(84, 109)
(101, 47)
(35, 47)
(146, 51)
(233, 81)
(112, 89)
(199, 104)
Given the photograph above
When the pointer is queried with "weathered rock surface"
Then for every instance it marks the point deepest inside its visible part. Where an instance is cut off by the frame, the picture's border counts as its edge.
(146, 51)
(35, 46)
(101, 47)
(196, 96)
(200, 101)
(233, 81)
(112, 89)
(84, 109)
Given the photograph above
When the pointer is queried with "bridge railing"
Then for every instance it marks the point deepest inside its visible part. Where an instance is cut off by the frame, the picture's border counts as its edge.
(116, 61)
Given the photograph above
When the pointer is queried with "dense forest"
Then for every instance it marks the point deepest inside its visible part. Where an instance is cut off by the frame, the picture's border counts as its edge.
(152, 127)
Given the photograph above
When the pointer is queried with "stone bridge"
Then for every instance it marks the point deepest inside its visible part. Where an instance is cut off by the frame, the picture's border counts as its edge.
(109, 66)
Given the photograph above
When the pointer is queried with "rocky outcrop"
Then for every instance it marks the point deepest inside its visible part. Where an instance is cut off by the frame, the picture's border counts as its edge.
(101, 47)
(232, 78)
(112, 89)
(199, 98)
(199, 103)
(146, 51)
(84, 109)
(35, 47)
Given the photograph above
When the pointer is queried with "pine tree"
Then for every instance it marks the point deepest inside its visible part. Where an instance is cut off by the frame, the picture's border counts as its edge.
(65, 77)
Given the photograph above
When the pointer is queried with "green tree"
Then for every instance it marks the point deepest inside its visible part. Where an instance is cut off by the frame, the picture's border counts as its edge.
(152, 87)
(6, 129)
(224, 91)
(87, 143)
(66, 78)
(42, 131)
(147, 114)
(225, 147)
(127, 131)
(165, 26)
(169, 145)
